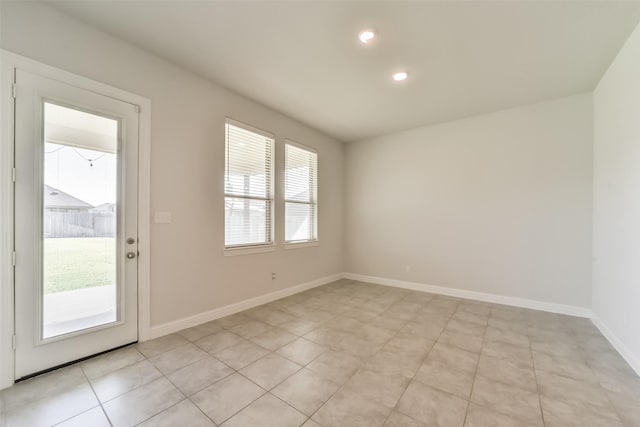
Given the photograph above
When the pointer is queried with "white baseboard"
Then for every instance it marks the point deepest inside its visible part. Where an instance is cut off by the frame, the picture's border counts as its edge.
(207, 316)
(188, 322)
(478, 296)
(620, 347)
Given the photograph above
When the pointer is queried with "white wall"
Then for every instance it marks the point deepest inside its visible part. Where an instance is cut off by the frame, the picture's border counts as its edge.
(498, 204)
(616, 228)
(189, 273)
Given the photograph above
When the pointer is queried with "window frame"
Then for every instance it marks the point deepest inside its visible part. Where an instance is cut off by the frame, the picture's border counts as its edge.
(249, 248)
(292, 244)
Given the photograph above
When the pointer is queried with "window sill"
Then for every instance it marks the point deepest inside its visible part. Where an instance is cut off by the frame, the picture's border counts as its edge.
(248, 250)
(297, 245)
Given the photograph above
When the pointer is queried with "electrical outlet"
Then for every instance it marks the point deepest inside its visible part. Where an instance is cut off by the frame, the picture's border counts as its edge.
(407, 269)
(273, 276)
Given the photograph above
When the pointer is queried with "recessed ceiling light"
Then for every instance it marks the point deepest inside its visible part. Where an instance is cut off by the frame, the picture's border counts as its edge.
(366, 36)
(400, 76)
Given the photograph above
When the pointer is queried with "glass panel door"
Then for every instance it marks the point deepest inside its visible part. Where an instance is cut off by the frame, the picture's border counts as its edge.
(80, 211)
(76, 223)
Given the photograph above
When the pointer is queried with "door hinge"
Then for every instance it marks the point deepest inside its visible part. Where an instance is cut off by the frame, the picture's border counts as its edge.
(13, 174)
(13, 342)
(137, 107)
(14, 90)
(13, 258)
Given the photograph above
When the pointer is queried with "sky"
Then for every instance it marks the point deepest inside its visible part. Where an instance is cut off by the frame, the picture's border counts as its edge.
(68, 167)
(67, 170)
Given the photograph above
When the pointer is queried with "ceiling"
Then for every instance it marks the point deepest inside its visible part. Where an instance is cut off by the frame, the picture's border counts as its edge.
(304, 58)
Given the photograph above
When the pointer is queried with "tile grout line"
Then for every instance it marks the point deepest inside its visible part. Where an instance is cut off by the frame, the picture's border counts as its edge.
(605, 390)
(514, 385)
(289, 405)
(570, 378)
(120, 369)
(96, 395)
(535, 374)
(239, 410)
(357, 370)
(305, 367)
(606, 393)
(235, 371)
(475, 374)
(257, 385)
(169, 407)
(188, 397)
(410, 379)
(395, 407)
(162, 375)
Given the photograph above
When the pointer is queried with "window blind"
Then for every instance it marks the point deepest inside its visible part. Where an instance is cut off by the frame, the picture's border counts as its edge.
(300, 194)
(248, 181)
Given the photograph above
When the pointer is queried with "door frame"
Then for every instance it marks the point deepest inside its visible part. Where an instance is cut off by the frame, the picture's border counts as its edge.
(8, 62)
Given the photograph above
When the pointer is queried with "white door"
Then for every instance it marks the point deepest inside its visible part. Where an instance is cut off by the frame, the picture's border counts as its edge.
(76, 160)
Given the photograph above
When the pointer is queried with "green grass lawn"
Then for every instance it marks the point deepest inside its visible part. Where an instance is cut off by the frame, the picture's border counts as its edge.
(76, 263)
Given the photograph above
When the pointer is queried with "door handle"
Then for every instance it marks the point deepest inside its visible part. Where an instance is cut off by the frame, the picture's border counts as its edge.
(131, 255)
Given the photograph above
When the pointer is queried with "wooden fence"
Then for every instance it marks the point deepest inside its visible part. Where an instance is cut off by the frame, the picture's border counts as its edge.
(79, 224)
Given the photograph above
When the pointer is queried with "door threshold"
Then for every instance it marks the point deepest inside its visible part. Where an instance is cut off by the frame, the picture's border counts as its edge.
(64, 365)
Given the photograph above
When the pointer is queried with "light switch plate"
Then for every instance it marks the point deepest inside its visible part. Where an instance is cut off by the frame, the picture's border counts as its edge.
(162, 218)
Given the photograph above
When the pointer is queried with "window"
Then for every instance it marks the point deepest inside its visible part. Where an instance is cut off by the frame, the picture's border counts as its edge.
(300, 194)
(248, 181)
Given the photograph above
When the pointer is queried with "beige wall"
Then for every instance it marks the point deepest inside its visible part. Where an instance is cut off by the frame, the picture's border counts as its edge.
(189, 273)
(499, 203)
(616, 235)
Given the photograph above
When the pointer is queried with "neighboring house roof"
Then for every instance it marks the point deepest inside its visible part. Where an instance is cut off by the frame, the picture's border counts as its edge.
(54, 198)
(105, 207)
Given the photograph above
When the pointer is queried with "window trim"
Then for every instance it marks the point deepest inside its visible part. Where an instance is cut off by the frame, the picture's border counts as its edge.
(248, 248)
(237, 123)
(299, 244)
(294, 244)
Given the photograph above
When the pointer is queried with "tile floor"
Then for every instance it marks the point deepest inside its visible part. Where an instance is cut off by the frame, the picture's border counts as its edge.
(348, 354)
